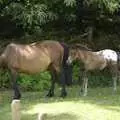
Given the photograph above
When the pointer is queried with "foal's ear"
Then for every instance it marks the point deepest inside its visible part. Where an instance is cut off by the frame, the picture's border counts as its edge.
(73, 46)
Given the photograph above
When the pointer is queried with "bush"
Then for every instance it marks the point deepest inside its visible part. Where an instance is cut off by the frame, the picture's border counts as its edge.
(35, 82)
(4, 79)
(27, 82)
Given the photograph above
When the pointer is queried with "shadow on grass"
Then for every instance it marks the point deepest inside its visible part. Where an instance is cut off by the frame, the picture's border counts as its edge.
(103, 97)
(29, 117)
(62, 116)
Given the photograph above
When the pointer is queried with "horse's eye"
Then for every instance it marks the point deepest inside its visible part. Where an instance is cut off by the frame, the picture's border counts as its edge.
(72, 53)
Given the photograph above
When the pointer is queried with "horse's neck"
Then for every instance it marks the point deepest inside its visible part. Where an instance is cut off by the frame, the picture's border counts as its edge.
(86, 56)
(83, 55)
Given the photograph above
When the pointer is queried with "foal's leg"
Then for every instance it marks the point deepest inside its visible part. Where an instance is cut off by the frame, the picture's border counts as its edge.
(114, 72)
(85, 84)
(115, 83)
(53, 79)
(14, 76)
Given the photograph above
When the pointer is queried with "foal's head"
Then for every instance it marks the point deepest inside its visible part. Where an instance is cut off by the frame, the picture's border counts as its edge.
(75, 52)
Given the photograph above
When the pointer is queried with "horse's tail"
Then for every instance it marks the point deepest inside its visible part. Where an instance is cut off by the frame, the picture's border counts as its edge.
(118, 60)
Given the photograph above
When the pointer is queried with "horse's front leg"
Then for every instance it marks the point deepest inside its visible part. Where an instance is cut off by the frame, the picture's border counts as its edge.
(62, 80)
(53, 79)
(85, 83)
(14, 76)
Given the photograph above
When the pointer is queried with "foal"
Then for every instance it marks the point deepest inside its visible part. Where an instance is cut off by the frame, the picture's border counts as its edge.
(94, 61)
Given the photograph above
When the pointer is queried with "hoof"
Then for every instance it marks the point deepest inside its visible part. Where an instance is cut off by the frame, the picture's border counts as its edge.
(50, 95)
(114, 92)
(63, 95)
(81, 90)
(17, 97)
(85, 94)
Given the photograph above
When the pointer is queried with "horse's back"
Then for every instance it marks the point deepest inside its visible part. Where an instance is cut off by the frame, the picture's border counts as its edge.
(55, 49)
(109, 55)
(31, 58)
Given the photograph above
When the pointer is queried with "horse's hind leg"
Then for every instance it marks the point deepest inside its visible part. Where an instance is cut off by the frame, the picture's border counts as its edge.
(114, 77)
(14, 77)
(114, 83)
(114, 72)
(85, 87)
(53, 78)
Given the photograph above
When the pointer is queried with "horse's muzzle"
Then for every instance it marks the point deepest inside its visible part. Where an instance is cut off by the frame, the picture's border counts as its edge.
(69, 61)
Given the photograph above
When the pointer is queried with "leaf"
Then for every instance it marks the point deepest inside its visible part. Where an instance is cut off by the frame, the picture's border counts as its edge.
(70, 3)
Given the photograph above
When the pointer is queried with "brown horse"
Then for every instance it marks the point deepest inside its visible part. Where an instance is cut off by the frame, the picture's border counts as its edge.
(33, 58)
(94, 61)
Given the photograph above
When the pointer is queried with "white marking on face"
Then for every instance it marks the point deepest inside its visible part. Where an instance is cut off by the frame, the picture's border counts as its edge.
(69, 61)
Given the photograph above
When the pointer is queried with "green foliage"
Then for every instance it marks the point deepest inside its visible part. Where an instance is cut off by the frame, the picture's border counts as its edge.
(30, 16)
(4, 79)
(35, 82)
(27, 82)
(107, 5)
(70, 3)
(33, 15)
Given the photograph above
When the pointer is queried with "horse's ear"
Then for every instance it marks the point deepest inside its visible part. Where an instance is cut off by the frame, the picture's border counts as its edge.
(73, 46)
(82, 47)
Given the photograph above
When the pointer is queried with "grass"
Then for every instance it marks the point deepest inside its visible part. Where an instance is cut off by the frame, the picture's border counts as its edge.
(100, 104)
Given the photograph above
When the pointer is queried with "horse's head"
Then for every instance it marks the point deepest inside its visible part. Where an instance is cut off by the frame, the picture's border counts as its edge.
(73, 55)
(75, 52)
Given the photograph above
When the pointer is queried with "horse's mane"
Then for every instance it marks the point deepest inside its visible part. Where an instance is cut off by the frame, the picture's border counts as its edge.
(80, 46)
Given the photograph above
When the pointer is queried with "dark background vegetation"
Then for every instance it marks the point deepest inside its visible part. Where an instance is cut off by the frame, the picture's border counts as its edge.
(94, 23)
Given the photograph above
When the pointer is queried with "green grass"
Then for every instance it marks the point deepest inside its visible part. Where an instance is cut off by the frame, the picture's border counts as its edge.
(100, 104)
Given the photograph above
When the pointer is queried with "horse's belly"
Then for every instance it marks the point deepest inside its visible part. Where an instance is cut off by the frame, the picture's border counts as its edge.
(96, 64)
(32, 65)
(35, 66)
